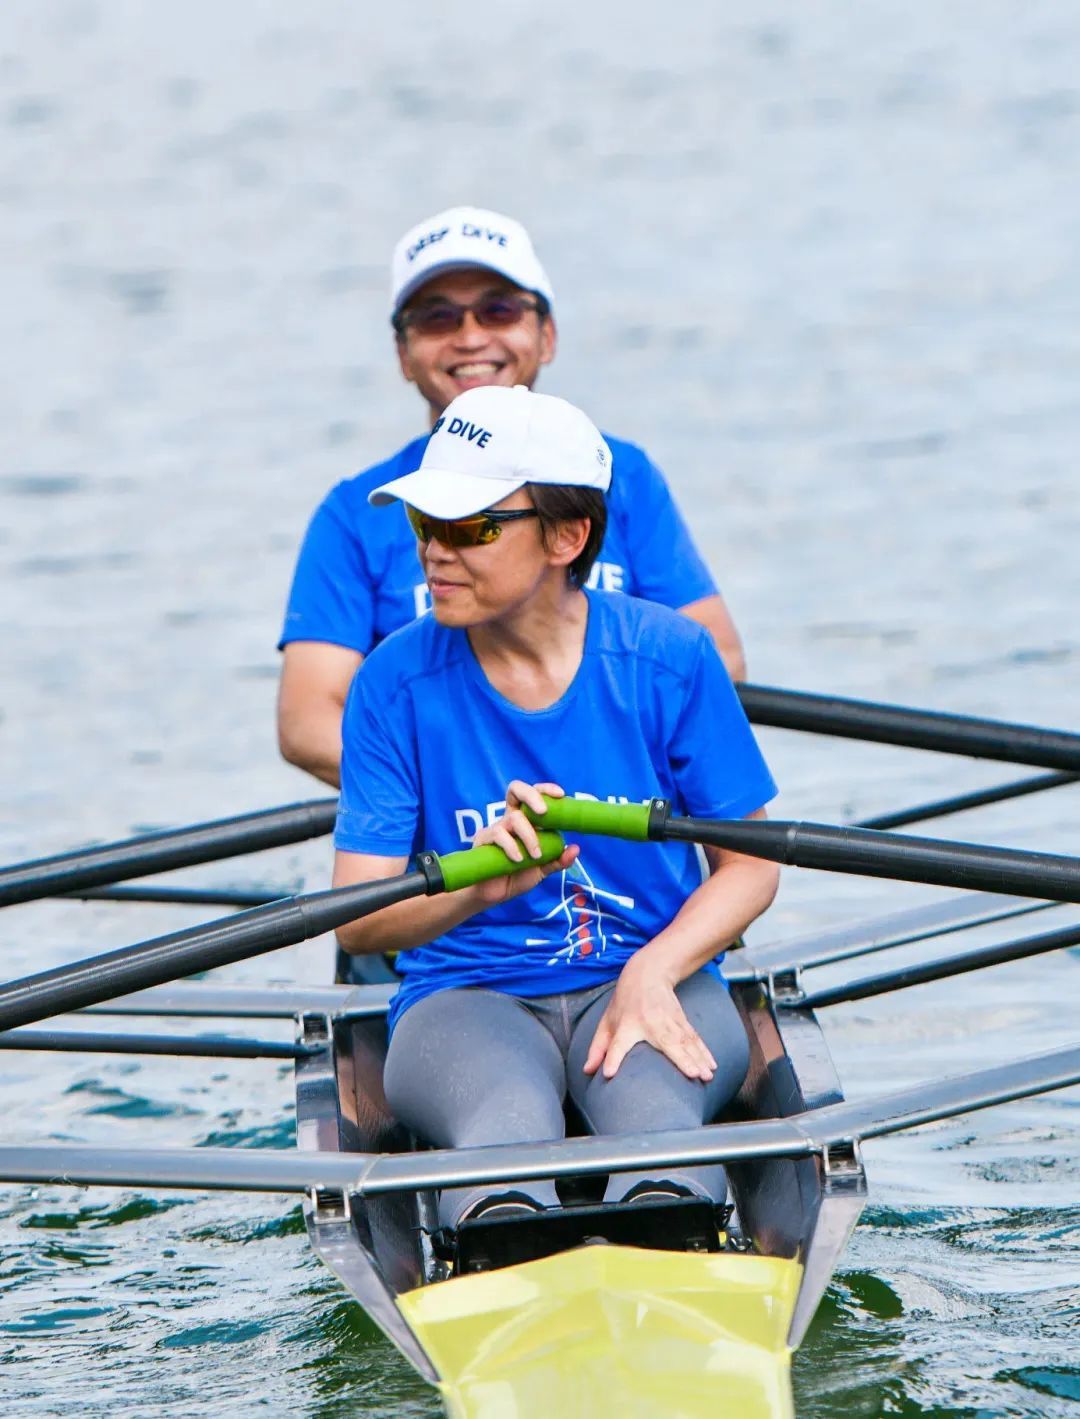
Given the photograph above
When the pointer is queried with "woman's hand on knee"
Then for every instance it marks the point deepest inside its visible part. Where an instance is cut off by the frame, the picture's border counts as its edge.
(645, 1009)
(518, 838)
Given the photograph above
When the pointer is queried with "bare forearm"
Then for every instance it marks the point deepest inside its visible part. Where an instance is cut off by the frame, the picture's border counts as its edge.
(734, 660)
(711, 918)
(409, 924)
(416, 922)
(315, 680)
(314, 743)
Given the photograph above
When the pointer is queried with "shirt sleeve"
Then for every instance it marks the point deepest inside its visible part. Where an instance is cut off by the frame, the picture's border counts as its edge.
(332, 597)
(379, 806)
(715, 759)
(665, 564)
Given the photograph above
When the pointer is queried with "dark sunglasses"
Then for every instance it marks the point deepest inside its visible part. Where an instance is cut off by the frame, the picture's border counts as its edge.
(492, 312)
(475, 531)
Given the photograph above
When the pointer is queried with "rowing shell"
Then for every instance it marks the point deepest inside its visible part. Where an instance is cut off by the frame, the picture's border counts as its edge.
(637, 1330)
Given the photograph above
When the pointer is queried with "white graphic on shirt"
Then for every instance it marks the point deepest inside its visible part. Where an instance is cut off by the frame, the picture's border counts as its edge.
(604, 576)
(588, 927)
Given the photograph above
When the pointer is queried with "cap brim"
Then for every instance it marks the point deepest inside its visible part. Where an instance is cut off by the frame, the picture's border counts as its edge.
(445, 494)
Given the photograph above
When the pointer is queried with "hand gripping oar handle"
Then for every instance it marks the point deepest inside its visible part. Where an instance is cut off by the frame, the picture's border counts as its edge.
(864, 852)
(236, 938)
(480, 864)
(636, 822)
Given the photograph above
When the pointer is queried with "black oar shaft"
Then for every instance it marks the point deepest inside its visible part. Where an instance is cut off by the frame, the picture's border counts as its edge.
(235, 938)
(925, 971)
(881, 934)
(960, 802)
(867, 853)
(915, 729)
(180, 896)
(199, 948)
(160, 852)
(188, 1046)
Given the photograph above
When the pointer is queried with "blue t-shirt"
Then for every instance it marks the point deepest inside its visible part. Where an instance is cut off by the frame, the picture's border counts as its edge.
(430, 746)
(358, 576)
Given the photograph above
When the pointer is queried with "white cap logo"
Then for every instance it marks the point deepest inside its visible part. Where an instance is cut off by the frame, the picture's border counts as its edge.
(460, 238)
(492, 441)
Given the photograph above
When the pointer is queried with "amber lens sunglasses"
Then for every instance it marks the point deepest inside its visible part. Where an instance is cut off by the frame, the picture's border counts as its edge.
(443, 317)
(475, 531)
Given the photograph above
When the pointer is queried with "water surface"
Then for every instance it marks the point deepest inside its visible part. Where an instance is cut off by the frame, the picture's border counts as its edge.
(822, 261)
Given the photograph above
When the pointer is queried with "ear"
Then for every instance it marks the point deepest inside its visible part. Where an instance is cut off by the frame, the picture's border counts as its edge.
(549, 339)
(565, 541)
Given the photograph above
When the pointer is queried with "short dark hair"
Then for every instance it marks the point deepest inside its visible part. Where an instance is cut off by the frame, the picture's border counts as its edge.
(563, 502)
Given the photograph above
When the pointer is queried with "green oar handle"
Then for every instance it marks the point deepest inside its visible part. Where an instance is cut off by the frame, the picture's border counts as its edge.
(237, 938)
(585, 815)
(481, 864)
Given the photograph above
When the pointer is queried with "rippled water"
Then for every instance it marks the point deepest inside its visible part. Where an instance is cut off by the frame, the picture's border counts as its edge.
(823, 262)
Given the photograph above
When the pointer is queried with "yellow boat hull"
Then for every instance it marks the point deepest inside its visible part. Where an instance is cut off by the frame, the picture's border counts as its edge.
(605, 1330)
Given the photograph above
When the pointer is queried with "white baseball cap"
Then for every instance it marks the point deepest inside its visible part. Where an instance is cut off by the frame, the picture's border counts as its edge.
(459, 238)
(492, 441)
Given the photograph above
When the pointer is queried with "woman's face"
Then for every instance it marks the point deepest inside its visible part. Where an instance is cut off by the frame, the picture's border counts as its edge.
(473, 585)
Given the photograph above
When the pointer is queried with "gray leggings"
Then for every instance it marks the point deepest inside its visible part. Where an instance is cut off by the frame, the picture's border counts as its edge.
(473, 1067)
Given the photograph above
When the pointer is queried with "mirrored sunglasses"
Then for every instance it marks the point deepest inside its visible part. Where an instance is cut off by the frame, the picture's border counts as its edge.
(476, 531)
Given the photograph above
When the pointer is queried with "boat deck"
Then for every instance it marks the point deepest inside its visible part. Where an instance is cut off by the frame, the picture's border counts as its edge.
(801, 1210)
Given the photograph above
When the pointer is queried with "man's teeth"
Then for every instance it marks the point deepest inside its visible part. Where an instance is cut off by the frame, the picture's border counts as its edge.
(475, 370)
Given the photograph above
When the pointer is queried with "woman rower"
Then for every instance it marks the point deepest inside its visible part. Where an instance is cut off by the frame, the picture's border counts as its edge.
(596, 976)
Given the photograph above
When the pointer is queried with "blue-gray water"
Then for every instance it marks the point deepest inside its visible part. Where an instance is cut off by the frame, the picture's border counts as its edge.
(823, 261)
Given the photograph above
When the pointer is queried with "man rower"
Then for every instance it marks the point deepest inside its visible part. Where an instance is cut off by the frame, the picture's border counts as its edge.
(471, 306)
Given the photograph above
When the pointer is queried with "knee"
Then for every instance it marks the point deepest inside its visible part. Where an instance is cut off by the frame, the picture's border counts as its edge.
(716, 1018)
(471, 1110)
(726, 1037)
(520, 1111)
(647, 1093)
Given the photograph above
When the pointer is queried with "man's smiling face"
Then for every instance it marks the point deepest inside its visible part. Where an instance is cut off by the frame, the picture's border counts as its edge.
(444, 366)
